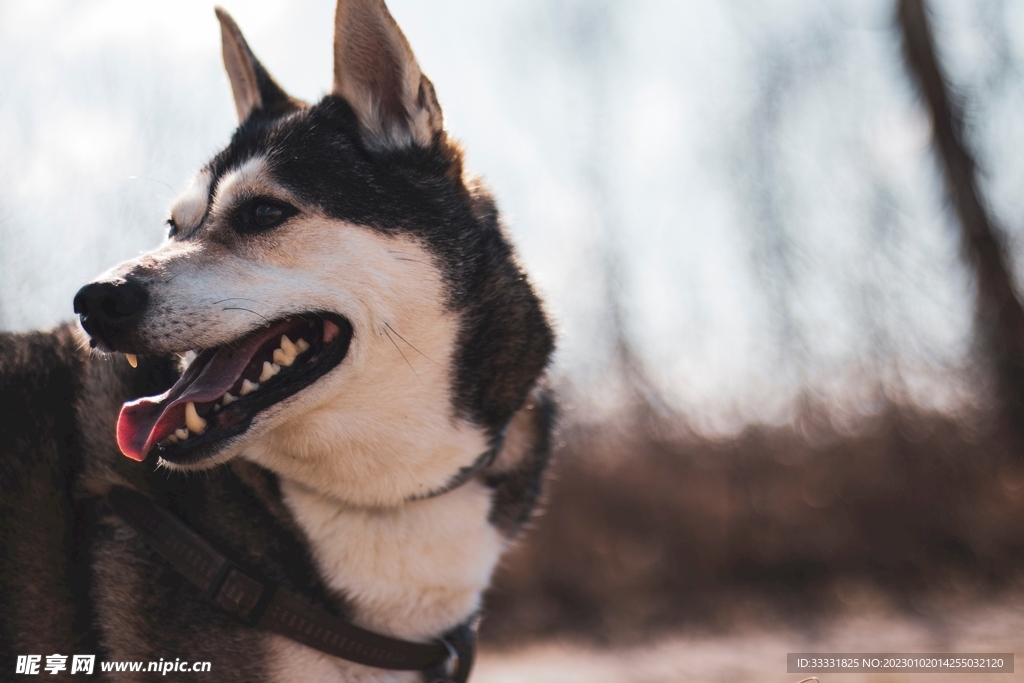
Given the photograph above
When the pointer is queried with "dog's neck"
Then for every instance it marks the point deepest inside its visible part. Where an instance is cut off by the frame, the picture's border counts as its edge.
(411, 568)
(414, 570)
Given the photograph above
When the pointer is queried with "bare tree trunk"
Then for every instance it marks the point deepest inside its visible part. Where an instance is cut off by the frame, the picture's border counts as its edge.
(999, 315)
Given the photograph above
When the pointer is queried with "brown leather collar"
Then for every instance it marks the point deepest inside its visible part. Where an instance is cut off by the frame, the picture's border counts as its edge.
(256, 602)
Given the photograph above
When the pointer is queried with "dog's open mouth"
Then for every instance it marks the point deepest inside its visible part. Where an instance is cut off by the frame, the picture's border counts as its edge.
(224, 388)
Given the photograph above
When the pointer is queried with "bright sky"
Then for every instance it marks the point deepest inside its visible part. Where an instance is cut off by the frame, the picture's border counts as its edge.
(757, 172)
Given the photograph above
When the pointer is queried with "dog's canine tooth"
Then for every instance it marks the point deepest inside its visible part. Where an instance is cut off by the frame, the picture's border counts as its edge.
(227, 399)
(195, 424)
(302, 346)
(132, 360)
(269, 370)
(248, 387)
(181, 433)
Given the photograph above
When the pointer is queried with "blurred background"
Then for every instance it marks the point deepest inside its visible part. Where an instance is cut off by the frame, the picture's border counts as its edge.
(781, 240)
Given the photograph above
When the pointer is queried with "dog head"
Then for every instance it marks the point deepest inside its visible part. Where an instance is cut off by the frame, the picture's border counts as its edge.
(353, 312)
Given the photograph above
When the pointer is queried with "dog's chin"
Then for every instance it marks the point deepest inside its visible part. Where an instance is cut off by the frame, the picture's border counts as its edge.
(206, 416)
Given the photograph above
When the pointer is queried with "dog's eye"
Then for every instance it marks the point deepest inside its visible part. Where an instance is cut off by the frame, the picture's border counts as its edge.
(172, 227)
(263, 214)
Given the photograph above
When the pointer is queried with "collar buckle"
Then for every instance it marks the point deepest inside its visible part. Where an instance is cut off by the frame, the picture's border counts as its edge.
(461, 645)
(446, 671)
(239, 594)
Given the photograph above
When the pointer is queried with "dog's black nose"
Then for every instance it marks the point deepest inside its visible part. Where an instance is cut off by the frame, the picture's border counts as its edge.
(106, 307)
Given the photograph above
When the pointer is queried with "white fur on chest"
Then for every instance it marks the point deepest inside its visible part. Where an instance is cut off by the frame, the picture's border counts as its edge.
(412, 571)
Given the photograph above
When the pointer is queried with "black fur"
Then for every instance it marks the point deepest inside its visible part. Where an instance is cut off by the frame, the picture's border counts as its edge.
(517, 490)
(44, 570)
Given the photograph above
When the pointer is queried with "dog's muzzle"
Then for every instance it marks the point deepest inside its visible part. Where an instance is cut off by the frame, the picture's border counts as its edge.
(108, 309)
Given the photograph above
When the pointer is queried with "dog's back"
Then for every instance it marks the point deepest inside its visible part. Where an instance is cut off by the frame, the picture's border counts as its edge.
(43, 572)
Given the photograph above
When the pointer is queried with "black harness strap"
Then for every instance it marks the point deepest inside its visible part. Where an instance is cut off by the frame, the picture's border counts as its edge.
(260, 603)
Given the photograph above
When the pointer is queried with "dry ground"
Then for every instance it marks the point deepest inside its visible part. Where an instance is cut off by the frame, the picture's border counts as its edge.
(759, 654)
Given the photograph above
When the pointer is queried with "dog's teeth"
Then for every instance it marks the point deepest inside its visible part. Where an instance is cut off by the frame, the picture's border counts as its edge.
(172, 438)
(302, 346)
(132, 360)
(227, 399)
(286, 354)
(269, 370)
(195, 424)
(216, 407)
(181, 433)
(287, 346)
(248, 387)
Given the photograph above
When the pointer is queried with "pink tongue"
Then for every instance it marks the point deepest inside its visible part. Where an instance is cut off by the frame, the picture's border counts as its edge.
(146, 421)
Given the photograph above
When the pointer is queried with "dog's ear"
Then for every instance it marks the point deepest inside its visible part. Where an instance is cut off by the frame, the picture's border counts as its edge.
(377, 74)
(252, 86)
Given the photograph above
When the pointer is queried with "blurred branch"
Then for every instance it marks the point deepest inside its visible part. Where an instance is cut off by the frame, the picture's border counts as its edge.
(785, 68)
(1000, 317)
(774, 258)
(592, 26)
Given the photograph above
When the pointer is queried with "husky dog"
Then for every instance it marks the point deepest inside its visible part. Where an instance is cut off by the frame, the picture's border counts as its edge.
(331, 371)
